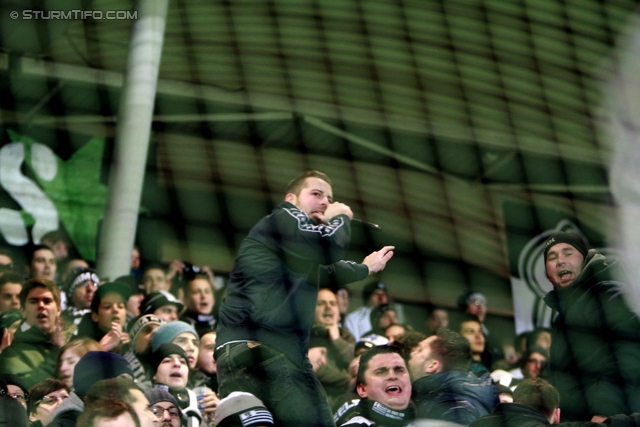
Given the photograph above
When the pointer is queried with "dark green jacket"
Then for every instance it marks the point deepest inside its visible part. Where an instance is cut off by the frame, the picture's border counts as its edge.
(595, 347)
(31, 356)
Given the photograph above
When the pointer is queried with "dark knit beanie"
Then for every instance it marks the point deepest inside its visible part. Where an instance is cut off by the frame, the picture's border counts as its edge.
(155, 395)
(241, 409)
(11, 379)
(158, 299)
(377, 313)
(95, 366)
(569, 238)
(136, 324)
(165, 350)
(371, 288)
(320, 338)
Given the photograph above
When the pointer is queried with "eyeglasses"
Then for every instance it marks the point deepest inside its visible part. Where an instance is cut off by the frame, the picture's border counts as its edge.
(50, 400)
(20, 397)
(536, 361)
(158, 411)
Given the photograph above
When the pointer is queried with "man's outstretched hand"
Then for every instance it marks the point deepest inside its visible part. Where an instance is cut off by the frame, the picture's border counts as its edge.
(377, 261)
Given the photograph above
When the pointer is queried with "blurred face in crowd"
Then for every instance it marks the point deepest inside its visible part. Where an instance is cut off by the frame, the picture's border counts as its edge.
(378, 297)
(143, 338)
(112, 308)
(388, 318)
(173, 372)
(133, 304)
(43, 264)
(543, 340)
(387, 381)
(154, 279)
(533, 365)
(83, 294)
(41, 309)
(190, 345)
(472, 331)
(478, 308)
(313, 199)
(438, 319)
(17, 393)
(10, 297)
(169, 417)
(563, 264)
(200, 296)
(317, 357)
(343, 300)
(135, 258)
(168, 313)
(327, 310)
(6, 263)
(206, 362)
(45, 407)
(68, 362)
(394, 331)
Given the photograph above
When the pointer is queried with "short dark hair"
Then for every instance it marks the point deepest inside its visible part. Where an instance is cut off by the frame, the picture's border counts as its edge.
(466, 317)
(35, 248)
(408, 342)
(10, 277)
(43, 388)
(57, 236)
(116, 388)
(204, 276)
(296, 185)
(538, 394)
(108, 408)
(372, 352)
(39, 282)
(452, 350)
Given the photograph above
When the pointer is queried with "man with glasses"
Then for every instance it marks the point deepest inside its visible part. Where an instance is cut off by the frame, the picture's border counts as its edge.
(44, 398)
(16, 388)
(164, 407)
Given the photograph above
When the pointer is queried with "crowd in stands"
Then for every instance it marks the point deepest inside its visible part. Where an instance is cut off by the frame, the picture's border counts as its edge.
(80, 350)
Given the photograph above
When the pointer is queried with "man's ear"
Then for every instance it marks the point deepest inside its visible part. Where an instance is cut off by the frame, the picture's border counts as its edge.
(361, 391)
(433, 367)
(555, 418)
(290, 197)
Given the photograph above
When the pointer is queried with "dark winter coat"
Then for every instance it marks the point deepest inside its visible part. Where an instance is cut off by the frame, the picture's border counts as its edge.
(595, 347)
(273, 286)
(456, 396)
